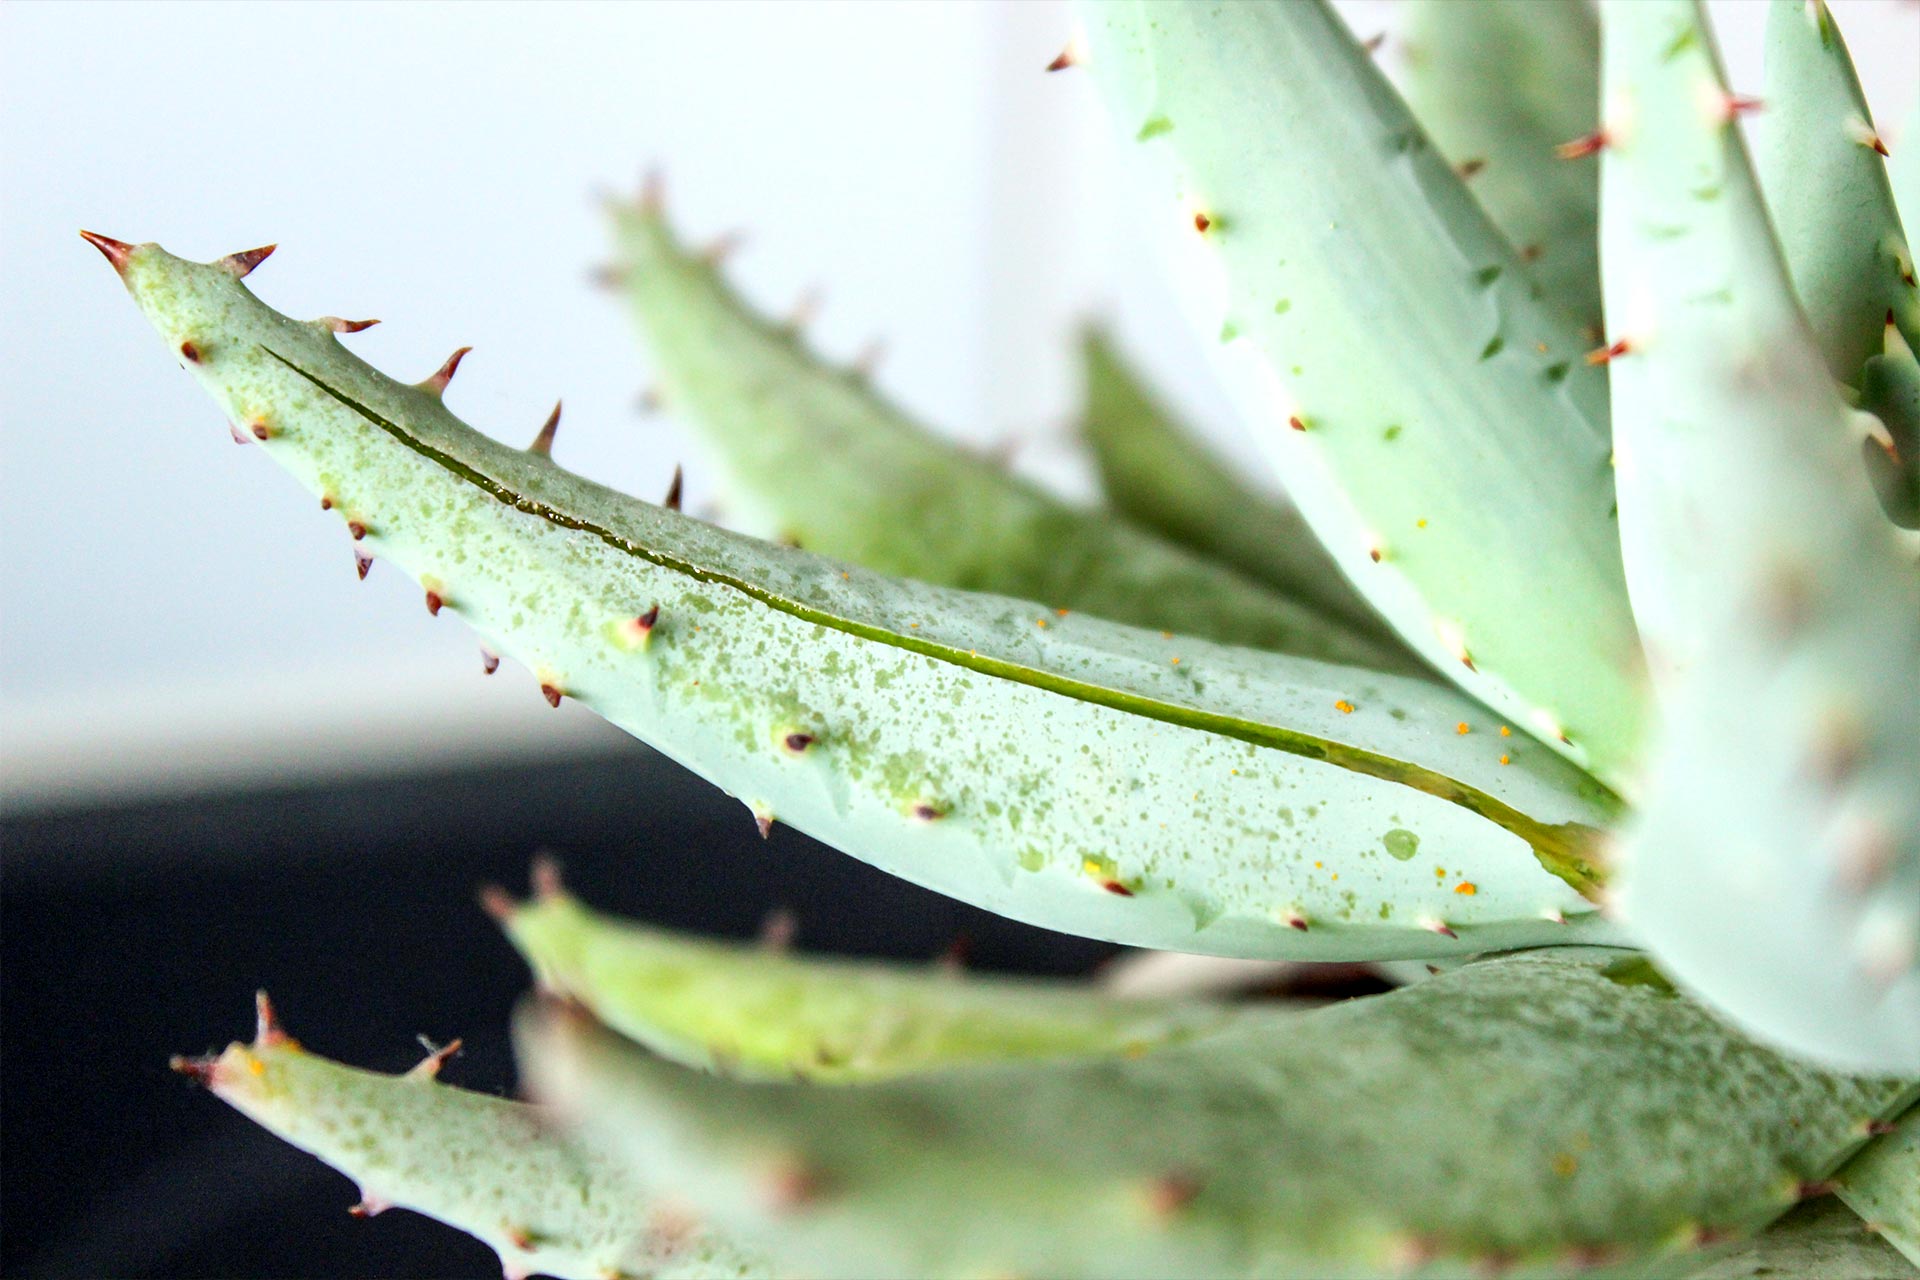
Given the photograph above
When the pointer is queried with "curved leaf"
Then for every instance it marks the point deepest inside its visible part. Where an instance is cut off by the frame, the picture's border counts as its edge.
(498, 1170)
(752, 1012)
(1821, 167)
(1540, 1112)
(1778, 862)
(1063, 770)
(1155, 472)
(1499, 85)
(1425, 406)
(813, 455)
(1882, 1185)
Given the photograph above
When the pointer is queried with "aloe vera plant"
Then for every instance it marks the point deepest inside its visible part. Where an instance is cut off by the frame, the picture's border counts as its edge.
(1582, 675)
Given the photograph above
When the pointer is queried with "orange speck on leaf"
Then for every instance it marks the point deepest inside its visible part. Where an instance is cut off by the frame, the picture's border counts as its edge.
(1344, 707)
(1461, 727)
(1506, 759)
(1466, 888)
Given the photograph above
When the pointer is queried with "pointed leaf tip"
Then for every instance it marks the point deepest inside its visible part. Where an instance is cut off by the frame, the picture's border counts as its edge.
(241, 264)
(337, 325)
(116, 251)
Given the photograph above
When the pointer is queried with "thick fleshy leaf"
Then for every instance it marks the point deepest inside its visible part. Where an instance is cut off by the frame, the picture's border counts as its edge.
(1427, 408)
(1777, 870)
(1543, 1113)
(500, 1171)
(813, 455)
(1065, 770)
(1500, 85)
(1160, 474)
(1882, 1185)
(1821, 166)
(1822, 1240)
(1890, 390)
(759, 1013)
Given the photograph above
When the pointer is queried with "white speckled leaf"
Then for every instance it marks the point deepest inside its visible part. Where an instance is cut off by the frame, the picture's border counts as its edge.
(1540, 1112)
(1095, 778)
(1427, 408)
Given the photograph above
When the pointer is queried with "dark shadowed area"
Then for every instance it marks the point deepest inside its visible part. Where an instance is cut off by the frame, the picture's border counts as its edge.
(141, 931)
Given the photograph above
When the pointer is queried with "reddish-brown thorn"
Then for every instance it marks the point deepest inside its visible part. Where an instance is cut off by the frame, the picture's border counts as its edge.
(190, 352)
(1470, 167)
(1297, 422)
(200, 1070)
(437, 1056)
(777, 929)
(551, 694)
(239, 436)
(266, 1027)
(543, 443)
(1116, 888)
(1374, 554)
(368, 1207)
(1374, 43)
(1813, 1190)
(763, 823)
(1296, 921)
(798, 742)
(356, 530)
(497, 902)
(675, 489)
(1201, 222)
(489, 661)
(260, 429)
(926, 812)
(361, 563)
(1735, 105)
(116, 251)
(326, 502)
(1586, 145)
(792, 1185)
(1880, 1128)
(1169, 1193)
(544, 875)
(653, 190)
(241, 264)
(435, 603)
(444, 374)
(647, 621)
(337, 325)
(1442, 928)
(1611, 352)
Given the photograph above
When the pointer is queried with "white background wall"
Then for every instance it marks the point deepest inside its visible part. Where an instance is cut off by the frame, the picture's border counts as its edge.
(173, 609)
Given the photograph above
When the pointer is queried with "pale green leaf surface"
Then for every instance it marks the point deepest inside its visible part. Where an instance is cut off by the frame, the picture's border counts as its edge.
(1538, 1113)
(1882, 1185)
(1498, 85)
(814, 455)
(1777, 862)
(1827, 190)
(1094, 778)
(501, 1171)
(1820, 1240)
(756, 1013)
(1161, 475)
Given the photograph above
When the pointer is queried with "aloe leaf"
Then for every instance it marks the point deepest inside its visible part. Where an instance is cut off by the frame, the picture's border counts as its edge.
(500, 1171)
(1777, 870)
(1499, 85)
(1890, 390)
(1161, 475)
(1882, 1185)
(1072, 772)
(757, 1013)
(1542, 1112)
(1426, 405)
(1821, 166)
(1820, 1240)
(813, 455)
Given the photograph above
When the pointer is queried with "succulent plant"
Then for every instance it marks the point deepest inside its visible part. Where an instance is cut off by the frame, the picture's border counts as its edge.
(1585, 674)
